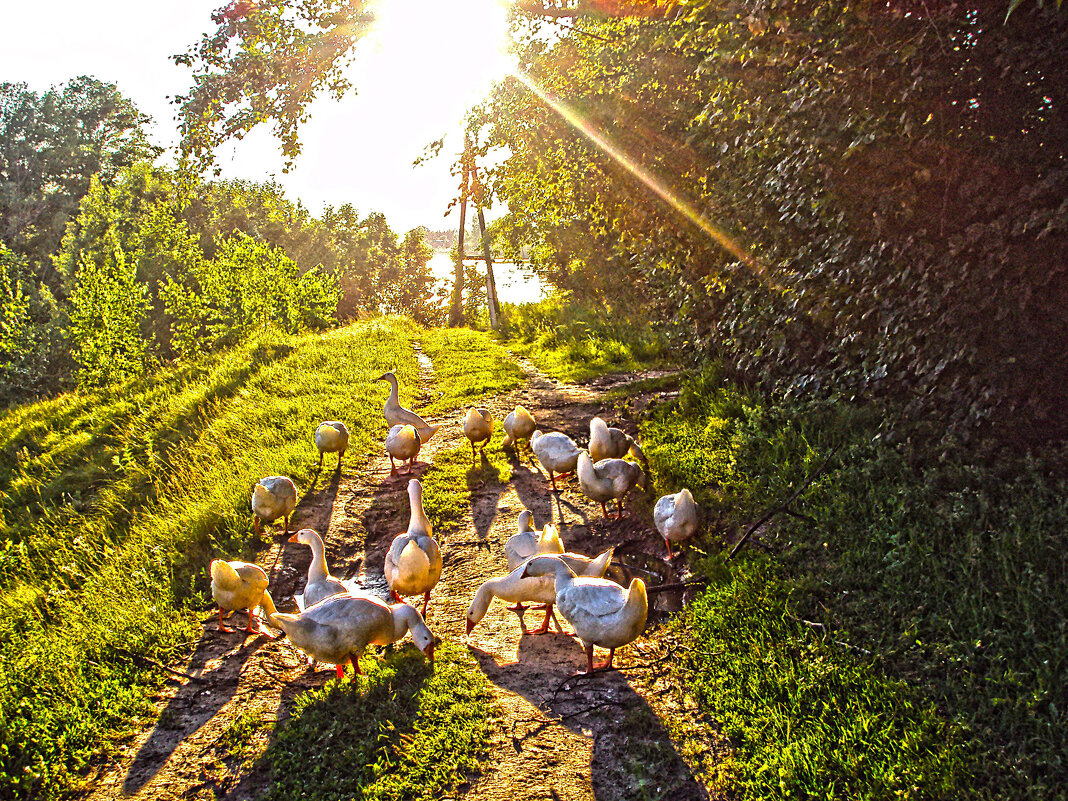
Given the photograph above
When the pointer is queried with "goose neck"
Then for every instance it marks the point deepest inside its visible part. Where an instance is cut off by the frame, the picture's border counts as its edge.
(317, 571)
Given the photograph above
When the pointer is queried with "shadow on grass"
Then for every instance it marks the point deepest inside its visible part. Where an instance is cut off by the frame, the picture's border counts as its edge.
(408, 729)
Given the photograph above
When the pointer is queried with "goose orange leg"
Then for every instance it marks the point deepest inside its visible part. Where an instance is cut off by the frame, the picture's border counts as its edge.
(607, 665)
(544, 627)
(223, 627)
(426, 602)
(257, 630)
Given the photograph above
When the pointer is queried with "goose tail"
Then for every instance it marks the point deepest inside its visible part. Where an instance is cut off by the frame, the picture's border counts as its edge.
(637, 606)
(224, 576)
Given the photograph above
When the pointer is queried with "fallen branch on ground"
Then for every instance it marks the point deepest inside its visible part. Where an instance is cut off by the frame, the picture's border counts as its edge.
(157, 665)
(543, 724)
(679, 585)
(782, 507)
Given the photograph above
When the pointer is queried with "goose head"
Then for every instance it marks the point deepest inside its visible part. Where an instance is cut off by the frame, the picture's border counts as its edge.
(306, 536)
(525, 518)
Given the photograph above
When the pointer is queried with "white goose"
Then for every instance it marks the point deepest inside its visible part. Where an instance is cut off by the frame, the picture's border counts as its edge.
(612, 443)
(239, 585)
(520, 589)
(675, 517)
(607, 480)
(338, 629)
(273, 497)
(398, 415)
(518, 425)
(413, 561)
(602, 612)
(402, 442)
(557, 453)
(321, 584)
(528, 541)
(478, 426)
(332, 437)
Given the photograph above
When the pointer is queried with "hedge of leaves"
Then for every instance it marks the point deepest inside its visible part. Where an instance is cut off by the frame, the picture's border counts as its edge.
(878, 193)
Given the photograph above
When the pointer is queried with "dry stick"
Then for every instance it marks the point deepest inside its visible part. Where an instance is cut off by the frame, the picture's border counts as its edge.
(825, 628)
(782, 507)
(681, 585)
(542, 724)
(157, 665)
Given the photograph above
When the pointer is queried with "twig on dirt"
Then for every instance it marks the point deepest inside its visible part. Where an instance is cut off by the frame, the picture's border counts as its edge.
(543, 724)
(157, 665)
(569, 679)
(476, 543)
(679, 585)
(272, 674)
(782, 507)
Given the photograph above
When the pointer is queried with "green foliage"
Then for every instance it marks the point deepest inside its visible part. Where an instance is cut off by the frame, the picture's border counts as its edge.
(248, 284)
(112, 503)
(949, 573)
(51, 145)
(406, 730)
(16, 334)
(869, 199)
(266, 61)
(107, 310)
(573, 339)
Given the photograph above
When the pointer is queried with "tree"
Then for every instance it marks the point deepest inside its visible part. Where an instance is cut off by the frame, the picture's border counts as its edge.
(413, 287)
(108, 307)
(16, 332)
(51, 145)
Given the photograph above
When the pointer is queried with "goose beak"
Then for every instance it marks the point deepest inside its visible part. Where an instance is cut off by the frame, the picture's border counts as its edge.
(293, 539)
(470, 625)
(430, 652)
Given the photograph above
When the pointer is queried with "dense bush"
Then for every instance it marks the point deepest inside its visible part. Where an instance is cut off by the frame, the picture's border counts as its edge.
(868, 199)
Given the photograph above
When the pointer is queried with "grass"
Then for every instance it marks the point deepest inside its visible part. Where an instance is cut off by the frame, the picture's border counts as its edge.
(572, 342)
(113, 503)
(405, 731)
(950, 574)
(468, 366)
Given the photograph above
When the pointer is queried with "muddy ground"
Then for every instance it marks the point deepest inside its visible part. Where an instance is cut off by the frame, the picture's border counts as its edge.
(631, 733)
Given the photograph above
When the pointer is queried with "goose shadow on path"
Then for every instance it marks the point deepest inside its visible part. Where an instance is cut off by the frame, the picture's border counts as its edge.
(631, 749)
(194, 704)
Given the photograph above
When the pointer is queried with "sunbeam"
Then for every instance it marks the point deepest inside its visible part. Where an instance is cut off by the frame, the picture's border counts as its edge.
(576, 120)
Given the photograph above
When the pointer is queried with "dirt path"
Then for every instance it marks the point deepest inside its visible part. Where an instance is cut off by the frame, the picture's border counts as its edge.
(596, 738)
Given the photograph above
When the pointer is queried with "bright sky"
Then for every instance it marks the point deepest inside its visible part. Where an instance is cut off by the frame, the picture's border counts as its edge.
(422, 66)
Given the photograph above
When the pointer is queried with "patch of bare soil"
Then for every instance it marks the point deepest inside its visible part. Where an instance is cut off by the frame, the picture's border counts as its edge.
(629, 733)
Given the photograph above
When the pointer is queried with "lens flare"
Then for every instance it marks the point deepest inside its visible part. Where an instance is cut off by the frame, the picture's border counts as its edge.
(661, 190)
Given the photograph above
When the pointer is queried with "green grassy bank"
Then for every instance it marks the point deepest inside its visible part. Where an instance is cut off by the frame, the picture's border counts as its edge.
(907, 640)
(574, 342)
(113, 503)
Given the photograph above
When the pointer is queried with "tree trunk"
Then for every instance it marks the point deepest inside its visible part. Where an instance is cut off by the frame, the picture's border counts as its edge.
(456, 310)
(491, 284)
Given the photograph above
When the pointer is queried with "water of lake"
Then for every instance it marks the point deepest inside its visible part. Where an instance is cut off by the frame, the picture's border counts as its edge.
(516, 283)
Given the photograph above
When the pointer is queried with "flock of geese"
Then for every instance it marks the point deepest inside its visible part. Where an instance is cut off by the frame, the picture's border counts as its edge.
(336, 620)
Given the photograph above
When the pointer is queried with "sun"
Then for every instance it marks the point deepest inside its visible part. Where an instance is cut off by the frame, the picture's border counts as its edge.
(446, 54)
